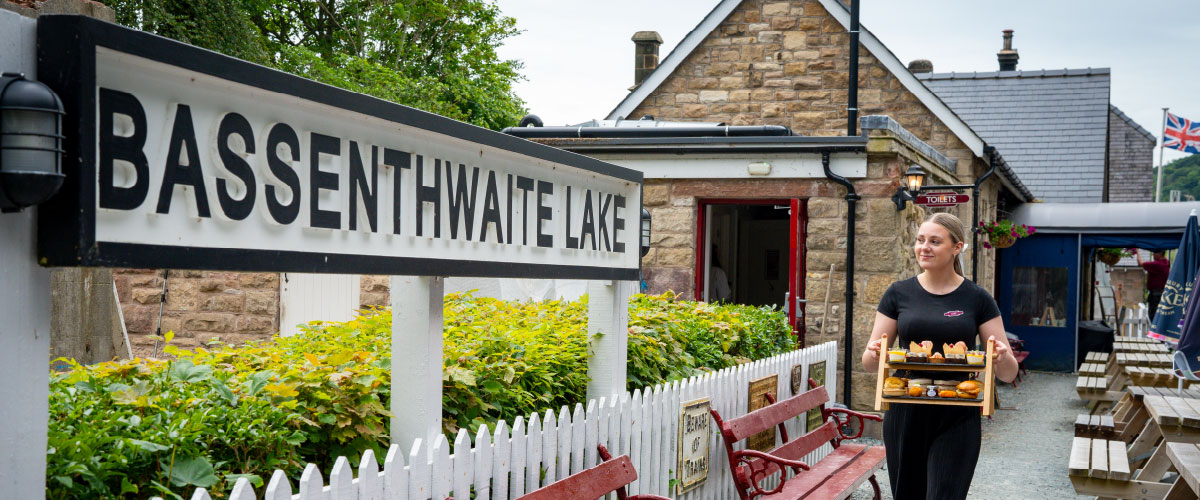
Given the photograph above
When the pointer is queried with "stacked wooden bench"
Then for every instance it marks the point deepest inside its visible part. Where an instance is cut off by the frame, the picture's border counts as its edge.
(836, 476)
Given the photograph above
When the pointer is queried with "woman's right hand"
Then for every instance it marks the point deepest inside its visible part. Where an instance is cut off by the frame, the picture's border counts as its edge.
(874, 346)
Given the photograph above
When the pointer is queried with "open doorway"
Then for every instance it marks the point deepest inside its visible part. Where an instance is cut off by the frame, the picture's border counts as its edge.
(752, 252)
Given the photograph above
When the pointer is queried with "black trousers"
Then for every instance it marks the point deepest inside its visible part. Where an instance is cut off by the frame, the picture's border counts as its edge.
(1154, 295)
(931, 450)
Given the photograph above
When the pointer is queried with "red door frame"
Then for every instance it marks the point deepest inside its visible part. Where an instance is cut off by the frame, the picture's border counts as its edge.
(797, 232)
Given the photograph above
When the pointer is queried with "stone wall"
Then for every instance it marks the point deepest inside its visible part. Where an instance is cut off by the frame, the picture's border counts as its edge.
(1129, 284)
(1130, 162)
(201, 306)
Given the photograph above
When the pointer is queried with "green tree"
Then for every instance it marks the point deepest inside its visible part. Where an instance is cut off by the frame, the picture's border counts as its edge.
(1182, 174)
(435, 55)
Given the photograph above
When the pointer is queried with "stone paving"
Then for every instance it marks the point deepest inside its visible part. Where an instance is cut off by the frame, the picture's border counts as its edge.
(1026, 445)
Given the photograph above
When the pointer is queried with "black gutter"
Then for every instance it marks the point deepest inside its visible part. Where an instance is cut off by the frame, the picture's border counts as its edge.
(602, 132)
(990, 153)
(852, 106)
(848, 348)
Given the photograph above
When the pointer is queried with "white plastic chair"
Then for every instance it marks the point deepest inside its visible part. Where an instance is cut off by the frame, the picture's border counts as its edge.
(1183, 369)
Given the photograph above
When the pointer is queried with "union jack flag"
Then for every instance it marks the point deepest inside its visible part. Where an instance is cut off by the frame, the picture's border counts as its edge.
(1182, 134)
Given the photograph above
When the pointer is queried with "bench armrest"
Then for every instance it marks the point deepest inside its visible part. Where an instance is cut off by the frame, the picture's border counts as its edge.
(752, 466)
(862, 418)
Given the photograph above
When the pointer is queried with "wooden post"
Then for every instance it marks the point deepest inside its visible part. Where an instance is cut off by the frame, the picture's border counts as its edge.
(608, 336)
(416, 359)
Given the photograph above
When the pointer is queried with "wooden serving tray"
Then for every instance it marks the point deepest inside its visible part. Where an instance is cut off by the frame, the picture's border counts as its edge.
(987, 402)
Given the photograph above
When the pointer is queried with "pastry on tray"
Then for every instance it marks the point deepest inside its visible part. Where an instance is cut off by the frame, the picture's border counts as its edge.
(955, 354)
(894, 386)
(937, 358)
(919, 353)
(897, 355)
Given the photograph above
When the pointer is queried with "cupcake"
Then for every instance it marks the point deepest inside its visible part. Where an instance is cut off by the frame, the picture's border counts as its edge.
(975, 357)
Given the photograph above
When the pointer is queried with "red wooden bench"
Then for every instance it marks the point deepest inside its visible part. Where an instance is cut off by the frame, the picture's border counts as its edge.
(836, 476)
(608, 476)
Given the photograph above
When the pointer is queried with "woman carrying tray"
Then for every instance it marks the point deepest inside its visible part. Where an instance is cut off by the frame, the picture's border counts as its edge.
(932, 450)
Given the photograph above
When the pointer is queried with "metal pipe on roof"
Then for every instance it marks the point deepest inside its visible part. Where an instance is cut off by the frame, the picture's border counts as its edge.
(848, 344)
(852, 106)
(601, 132)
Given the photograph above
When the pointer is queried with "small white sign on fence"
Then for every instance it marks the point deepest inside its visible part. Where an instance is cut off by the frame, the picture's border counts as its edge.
(693, 444)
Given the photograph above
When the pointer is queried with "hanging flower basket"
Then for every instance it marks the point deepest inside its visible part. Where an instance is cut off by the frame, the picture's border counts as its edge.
(1111, 256)
(1003, 241)
(1003, 233)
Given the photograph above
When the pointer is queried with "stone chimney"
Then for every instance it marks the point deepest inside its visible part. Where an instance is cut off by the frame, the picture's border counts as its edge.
(645, 54)
(918, 66)
(1008, 55)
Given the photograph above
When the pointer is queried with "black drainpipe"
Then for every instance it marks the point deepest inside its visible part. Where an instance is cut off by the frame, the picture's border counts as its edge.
(990, 153)
(851, 198)
(852, 107)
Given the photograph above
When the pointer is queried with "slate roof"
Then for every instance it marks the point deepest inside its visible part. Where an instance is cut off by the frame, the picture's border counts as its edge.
(1051, 125)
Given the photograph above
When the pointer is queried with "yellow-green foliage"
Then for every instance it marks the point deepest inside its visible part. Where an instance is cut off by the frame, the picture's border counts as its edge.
(143, 427)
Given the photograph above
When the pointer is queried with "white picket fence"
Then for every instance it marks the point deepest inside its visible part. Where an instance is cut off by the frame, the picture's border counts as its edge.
(545, 448)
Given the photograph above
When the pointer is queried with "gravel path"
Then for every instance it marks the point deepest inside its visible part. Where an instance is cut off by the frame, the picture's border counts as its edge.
(1026, 445)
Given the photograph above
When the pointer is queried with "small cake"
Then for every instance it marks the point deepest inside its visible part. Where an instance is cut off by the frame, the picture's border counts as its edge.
(937, 358)
(919, 353)
(975, 358)
(956, 354)
(897, 355)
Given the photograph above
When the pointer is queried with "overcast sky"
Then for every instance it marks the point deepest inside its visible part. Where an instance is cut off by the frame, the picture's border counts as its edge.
(579, 58)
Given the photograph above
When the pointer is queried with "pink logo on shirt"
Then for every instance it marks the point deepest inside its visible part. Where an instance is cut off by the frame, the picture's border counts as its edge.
(953, 314)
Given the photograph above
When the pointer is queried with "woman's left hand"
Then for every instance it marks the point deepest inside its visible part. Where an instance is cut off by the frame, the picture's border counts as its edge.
(1000, 350)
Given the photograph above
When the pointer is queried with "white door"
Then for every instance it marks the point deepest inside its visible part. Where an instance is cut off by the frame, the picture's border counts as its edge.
(316, 297)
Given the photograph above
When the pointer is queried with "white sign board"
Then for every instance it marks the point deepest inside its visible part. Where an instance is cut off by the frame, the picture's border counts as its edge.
(693, 444)
(190, 159)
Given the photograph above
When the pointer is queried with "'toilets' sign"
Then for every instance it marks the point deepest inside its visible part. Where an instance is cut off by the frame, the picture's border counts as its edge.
(189, 159)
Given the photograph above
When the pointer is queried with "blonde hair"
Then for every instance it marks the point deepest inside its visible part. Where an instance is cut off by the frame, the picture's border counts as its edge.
(954, 226)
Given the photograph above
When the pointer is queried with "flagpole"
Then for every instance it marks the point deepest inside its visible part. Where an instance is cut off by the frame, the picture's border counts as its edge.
(1158, 188)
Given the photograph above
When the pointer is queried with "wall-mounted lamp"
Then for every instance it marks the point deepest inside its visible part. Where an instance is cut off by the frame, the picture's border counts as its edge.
(645, 232)
(913, 178)
(30, 142)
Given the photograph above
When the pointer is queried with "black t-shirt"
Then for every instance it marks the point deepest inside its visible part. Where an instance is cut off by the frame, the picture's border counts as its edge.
(943, 319)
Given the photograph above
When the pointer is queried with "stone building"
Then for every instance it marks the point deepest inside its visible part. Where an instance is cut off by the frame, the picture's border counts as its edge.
(754, 63)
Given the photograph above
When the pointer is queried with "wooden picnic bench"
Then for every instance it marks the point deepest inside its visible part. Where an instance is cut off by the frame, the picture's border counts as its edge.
(834, 477)
(1186, 459)
(1172, 420)
(589, 484)
(1102, 468)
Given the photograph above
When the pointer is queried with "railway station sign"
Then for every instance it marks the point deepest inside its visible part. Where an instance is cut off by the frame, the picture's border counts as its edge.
(182, 158)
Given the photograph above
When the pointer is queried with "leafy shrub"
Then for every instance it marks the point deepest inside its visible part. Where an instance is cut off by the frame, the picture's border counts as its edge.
(213, 414)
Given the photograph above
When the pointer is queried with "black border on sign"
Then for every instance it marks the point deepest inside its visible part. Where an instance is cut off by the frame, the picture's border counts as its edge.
(67, 223)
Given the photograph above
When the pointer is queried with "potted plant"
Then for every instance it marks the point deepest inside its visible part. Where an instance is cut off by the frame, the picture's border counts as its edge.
(1003, 233)
(1111, 256)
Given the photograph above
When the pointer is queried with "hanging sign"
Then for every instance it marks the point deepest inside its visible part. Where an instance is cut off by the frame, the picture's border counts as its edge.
(182, 158)
(941, 199)
(693, 445)
(816, 372)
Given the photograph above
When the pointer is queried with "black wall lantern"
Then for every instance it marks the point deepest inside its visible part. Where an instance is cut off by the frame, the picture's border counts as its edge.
(645, 232)
(30, 142)
(913, 178)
